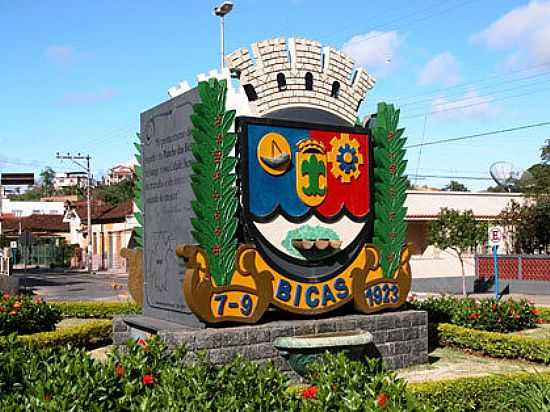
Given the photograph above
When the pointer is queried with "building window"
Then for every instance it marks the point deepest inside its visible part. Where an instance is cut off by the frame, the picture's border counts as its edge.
(335, 90)
(250, 92)
(309, 81)
(281, 82)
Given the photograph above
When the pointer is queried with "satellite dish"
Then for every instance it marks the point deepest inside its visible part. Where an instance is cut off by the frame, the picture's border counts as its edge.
(506, 175)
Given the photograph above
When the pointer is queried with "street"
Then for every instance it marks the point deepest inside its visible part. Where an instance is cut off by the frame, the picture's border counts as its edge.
(55, 285)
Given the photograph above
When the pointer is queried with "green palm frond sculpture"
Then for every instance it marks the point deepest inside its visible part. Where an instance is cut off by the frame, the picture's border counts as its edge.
(391, 186)
(213, 180)
(138, 189)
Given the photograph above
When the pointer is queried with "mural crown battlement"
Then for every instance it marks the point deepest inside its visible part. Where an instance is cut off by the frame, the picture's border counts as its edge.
(300, 73)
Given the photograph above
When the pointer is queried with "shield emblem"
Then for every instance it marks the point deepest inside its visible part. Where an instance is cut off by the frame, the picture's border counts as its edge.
(306, 193)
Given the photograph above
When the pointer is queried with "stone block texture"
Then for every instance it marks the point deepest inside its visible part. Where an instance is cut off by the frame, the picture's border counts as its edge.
(400, 338)
(294, 59)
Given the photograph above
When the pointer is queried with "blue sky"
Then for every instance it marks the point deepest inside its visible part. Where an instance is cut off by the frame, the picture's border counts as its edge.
(75, 75)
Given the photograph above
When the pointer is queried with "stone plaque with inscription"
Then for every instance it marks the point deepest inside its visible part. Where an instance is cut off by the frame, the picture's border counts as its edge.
(166, 159)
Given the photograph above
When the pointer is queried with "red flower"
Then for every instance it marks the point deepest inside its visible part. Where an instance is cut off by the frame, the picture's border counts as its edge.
(6, 296)
(310, 392)
(381, 400)
(535, 312)
(494, 306)
(13, 313)
(142, 342)
(473, 316)
(119, 370)
(148, 379)
(411, 298)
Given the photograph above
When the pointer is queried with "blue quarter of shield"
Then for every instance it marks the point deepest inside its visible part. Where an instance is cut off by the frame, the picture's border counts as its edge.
(267, 192)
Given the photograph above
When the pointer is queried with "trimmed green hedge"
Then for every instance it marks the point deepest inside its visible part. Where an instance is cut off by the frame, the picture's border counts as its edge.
(95, 309)
(544, 314)
(91, 334)
(499, 345)
(503, 392)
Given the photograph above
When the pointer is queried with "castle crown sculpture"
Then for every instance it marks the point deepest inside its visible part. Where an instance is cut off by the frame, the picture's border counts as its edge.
(299, 73)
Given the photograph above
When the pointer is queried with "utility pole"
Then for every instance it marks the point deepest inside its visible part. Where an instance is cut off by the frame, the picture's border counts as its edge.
(86, 167)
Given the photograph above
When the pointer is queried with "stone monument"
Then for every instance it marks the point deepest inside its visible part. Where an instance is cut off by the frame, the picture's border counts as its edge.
(273, 202)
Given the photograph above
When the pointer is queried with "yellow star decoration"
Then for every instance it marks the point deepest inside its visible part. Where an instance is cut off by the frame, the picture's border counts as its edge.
(345, 158)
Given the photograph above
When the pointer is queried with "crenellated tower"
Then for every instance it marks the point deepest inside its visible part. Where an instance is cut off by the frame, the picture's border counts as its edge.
(299, 73)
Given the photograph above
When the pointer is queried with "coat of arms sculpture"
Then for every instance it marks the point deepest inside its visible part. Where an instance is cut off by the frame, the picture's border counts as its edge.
(298, 206)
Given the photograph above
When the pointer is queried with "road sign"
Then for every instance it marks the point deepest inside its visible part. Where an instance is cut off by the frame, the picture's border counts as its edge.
(17, 179)
(496, 235)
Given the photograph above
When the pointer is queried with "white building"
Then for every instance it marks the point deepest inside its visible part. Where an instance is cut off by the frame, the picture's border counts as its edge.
(117, 174)
(436, 270)
(24, 208)
(69, 179)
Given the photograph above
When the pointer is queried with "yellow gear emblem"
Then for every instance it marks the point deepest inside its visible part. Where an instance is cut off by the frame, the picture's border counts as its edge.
(345, 158)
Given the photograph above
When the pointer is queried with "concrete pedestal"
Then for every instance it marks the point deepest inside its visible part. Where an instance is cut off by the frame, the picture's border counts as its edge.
(400, 338)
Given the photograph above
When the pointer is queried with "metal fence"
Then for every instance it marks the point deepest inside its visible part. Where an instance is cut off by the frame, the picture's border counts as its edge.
(514, 267)
(46, 254)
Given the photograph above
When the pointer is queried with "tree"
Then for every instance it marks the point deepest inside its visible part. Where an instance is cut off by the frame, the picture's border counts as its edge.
(458, 231)
(47, 181)
(528, 225)
(117, 193)
(540, 183)
(33, 194)
(455, 186)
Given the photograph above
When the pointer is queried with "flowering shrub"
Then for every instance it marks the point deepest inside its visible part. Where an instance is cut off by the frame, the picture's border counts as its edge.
(149, 378)
(344, 385)
(23, 314)
(487, 314)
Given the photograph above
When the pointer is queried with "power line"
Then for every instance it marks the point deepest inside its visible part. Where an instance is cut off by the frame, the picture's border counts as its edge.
(469, 83)
(484, 100)
(519, 86)
(450, 177)
(473, 136)
(422, 18)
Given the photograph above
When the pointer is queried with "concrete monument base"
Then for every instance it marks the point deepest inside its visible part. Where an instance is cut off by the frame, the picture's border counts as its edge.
(399, 338)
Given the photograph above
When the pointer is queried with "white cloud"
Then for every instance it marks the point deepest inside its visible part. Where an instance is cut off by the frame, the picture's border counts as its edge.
(470, 105)
(443, 68)
(96, 96)
(372, 49)
(525, 30)
(60, 53)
